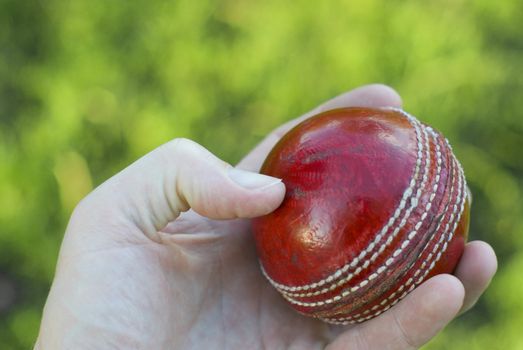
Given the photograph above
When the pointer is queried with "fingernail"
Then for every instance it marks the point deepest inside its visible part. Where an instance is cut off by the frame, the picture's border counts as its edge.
(250, 180)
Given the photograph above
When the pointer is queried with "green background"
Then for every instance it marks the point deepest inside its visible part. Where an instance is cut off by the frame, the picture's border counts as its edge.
(88, 86)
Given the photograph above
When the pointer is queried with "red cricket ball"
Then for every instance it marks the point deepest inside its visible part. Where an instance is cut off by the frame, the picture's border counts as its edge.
(376, 203)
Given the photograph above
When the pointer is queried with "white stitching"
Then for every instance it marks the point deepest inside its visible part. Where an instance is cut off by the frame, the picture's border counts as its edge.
(396, 253)
(408, 192)
(455, 219)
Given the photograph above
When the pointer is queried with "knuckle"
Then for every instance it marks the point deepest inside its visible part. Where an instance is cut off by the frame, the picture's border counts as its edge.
(176, 151)
(180, 146)
(186, 151)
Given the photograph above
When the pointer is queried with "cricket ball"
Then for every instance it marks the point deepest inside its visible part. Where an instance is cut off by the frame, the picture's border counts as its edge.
(376, 203)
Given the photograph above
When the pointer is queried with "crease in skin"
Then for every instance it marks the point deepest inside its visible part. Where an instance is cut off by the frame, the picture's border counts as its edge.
(64, 257)
(222, 296)
(193, 248)
(405, 336)
(193, 244)
(173, 208)
(259, 313)
(200, 314)
(189, 222)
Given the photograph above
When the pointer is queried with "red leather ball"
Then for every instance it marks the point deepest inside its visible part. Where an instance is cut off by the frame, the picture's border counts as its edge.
(376, 203)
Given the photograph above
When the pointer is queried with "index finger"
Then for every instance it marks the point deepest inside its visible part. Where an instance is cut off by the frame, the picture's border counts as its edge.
(375, 95)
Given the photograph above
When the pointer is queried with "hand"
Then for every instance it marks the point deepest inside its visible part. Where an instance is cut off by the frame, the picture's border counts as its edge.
(160, 257)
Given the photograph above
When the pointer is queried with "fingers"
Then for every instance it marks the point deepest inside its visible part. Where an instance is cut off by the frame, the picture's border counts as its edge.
(411, 323)
(475, 270)
(175, 177)
(375, 95)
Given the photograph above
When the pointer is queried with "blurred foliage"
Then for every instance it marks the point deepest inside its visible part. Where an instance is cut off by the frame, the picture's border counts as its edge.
(86, 87)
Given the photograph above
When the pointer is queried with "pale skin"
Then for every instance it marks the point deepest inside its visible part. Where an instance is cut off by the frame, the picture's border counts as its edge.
(161, 256)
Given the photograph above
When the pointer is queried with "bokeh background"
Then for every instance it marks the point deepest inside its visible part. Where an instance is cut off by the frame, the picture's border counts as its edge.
(87, 86)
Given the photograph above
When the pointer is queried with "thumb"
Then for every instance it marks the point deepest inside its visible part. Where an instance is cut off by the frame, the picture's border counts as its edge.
(178, 176)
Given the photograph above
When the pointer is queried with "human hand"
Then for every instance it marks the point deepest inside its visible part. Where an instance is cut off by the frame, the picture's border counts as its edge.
(160, 257)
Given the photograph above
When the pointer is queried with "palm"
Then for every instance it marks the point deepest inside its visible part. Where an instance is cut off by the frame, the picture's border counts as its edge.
(201, 288)
(231, 304)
